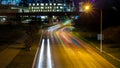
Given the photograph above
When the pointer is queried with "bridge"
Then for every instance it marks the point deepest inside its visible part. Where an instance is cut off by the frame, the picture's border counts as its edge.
(40, 9)
(41, 13)
(49, 14)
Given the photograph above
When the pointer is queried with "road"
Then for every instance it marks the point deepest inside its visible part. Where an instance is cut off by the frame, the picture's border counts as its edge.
(59, 48)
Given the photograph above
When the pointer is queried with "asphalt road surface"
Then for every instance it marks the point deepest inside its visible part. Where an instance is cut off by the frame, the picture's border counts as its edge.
(59, 48)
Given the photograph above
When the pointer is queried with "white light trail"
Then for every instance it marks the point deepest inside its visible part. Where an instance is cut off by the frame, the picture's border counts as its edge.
(49, 62)
(52, 28)
(40, 59)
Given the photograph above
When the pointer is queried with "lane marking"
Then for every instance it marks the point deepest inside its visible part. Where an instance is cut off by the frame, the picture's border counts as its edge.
(49, 61)
(40, 59)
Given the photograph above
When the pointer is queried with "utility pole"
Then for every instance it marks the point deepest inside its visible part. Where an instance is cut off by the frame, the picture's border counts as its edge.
(101, 35)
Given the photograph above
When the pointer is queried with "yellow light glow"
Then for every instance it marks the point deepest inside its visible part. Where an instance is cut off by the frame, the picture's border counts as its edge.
(87, 7)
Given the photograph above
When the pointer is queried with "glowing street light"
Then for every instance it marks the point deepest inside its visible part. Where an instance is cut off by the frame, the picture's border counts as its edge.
(88, 7)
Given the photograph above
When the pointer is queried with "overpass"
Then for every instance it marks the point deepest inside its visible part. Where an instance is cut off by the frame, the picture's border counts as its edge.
(40, 13)
(49, 14)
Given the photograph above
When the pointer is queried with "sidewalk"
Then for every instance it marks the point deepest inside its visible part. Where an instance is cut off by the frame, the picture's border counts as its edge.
(8, 54)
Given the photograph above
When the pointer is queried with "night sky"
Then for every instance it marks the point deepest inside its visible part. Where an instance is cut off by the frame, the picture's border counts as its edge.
(102, 3)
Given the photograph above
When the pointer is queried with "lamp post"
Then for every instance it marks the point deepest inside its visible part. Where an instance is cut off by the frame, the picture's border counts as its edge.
(101, 38)
(88, 8)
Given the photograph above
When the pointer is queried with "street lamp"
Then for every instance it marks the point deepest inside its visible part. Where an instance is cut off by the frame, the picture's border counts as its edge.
(88, 8)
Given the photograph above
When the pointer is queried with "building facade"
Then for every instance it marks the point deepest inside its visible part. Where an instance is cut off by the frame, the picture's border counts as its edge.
(41, 5)
(50, 7)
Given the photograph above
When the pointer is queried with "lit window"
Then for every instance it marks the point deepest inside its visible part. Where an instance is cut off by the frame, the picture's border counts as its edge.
(57, 7)
(54, 3)
(59, 4)
(37, 4)
(46, 4)
(42, 7)
(32, 7)
(36, 7)
(61, 7)
(64, 4)
(57, 10)
(42, 4)
(50, 3)
(50, 7)
(33, 4)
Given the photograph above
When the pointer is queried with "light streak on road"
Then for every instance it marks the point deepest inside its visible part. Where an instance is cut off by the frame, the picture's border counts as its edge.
(49, 62)
(52, 28)
(40, 60)
(62, 49)
(65, 37)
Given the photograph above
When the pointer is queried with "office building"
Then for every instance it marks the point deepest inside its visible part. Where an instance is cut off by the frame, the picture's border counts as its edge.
(49, 7)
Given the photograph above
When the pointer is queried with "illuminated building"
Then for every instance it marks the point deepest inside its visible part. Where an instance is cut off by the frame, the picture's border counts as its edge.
(41, 5)
(49, 7)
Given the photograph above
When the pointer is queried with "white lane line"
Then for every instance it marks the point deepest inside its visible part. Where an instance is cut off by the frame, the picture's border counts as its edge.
(49, 62)
(40, 59)
(35, 59)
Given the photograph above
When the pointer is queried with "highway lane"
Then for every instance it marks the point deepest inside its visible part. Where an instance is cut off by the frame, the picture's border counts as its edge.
(64, 50)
